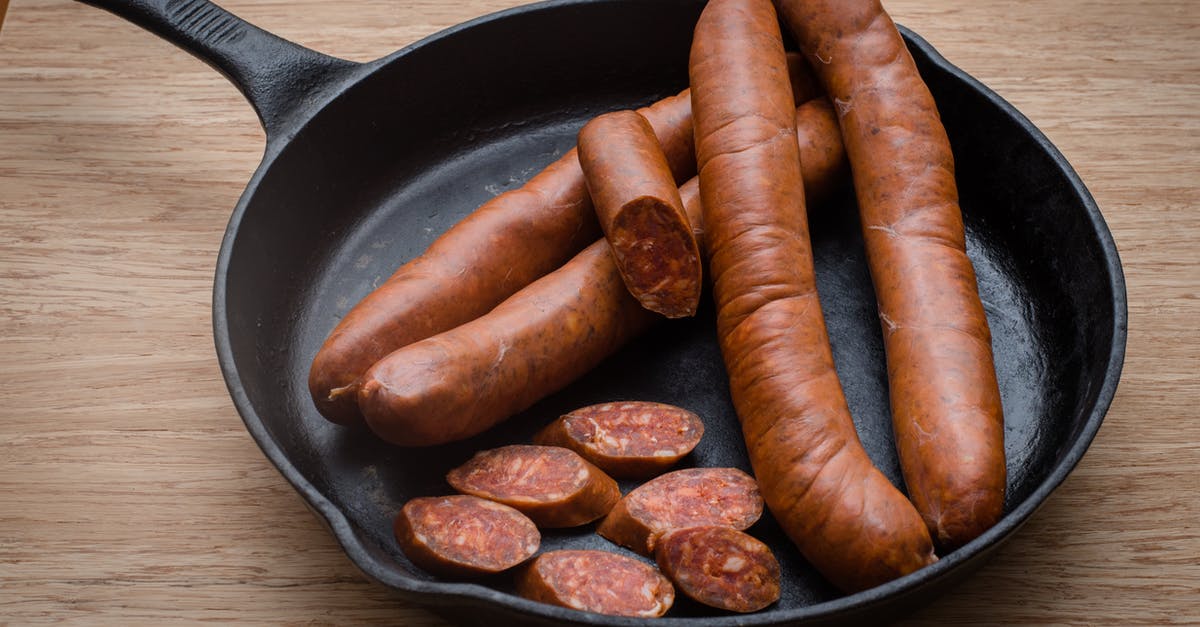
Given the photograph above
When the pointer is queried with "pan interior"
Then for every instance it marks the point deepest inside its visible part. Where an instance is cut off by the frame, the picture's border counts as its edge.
(435, 132)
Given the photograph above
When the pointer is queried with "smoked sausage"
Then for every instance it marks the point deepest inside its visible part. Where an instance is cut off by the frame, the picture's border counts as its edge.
(847, 519)
(465, 380)
(504, 245)
(597, 581)
(511, 240)
(640, 212)
(627, 439)
(683, 498)
(720, 567)
(945, 400)
(553, 486)
(464, 536)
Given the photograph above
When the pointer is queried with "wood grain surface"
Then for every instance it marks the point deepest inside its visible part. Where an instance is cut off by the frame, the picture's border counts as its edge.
(130, 493)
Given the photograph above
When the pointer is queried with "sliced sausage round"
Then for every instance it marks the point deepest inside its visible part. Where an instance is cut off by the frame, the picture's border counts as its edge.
(720, 567)
(597, 581)
(464, 536)
(553, 486)
(683, 498)
(627, 439)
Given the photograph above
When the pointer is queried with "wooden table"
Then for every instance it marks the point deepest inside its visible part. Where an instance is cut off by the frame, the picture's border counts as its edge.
(130, 492)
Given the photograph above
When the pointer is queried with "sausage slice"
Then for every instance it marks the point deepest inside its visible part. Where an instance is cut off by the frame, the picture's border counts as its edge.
(464, 536)
(597, 581)
(683, 498)
(553, 486)
(720, 567)
(627, 439)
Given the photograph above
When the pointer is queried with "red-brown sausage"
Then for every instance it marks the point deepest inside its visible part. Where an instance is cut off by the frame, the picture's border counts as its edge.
(461, 382)
(720, 567)
(945, 400)
(503, 246)
(553, 486)
(597, 581)
(627, 439)
(640, 212)
(847, 519)
(464, 536)
(683, 498)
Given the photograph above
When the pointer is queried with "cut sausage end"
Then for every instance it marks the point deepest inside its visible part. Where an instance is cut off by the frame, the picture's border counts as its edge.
(683, 498)
(464, 536)
(720, 567)
(553, 486)
(657, 254)
(627, 439)
(597, 581)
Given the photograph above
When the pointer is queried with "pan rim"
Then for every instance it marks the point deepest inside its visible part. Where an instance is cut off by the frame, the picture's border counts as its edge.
(442, 593)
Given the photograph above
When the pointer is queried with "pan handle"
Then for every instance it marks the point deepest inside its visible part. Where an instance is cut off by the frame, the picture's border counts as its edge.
(284, 82)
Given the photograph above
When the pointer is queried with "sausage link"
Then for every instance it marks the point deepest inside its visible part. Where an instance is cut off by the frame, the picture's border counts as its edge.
(683, 498)
(465, 380)
(597, 581)
(464, 536)
(553, 486)
(720, 567)
(627, 439)
(945, 400)
(641, 213)
(847, 519)
(506, 244)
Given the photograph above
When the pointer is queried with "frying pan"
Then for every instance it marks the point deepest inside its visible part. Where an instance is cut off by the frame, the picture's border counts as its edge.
(365, 164)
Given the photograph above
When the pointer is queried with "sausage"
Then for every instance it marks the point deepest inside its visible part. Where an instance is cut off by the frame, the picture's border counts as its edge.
(553, 486)
(640, 212)
(506, 244)
(465, 380)
(511, 240)
(464, 536)
(844, 515)
(945, 400)
(597, 581)
(683, 498)
(627, 439)
(720, 567)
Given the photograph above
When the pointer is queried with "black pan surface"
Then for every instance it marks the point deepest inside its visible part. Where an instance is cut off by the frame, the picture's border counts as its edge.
(373, 169)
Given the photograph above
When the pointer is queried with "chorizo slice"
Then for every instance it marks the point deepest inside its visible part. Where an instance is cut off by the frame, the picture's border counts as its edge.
(553, 486)
(945, 400)
(597, 581)
(720, 567)
(682, 498)
(640, 212)
(845, 516)
(464, 536)
(627, 439)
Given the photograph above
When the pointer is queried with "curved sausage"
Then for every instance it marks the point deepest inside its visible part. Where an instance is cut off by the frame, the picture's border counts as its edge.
(506, 244)
(683, 498)
(627, 439)
(597, 581)
(720, 567)
(503, 246)
(945, 400)
(465, 380)
(553, 486)
(640, 212)
(464, 536)
(848, 520)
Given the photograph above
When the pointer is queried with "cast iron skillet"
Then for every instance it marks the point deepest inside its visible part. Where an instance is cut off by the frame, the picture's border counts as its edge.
(366, 164)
